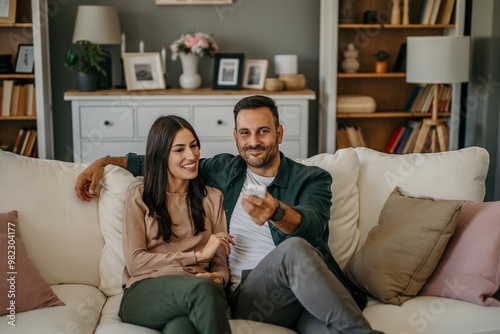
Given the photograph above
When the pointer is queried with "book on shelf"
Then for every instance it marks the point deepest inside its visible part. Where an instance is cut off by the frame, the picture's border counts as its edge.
(401, 140)
(14, 100)
(30, 100)
(435, 11)
(349, 136)
(31, 144)
(21, 101)
(410, 143)
(399, 65)
(8, 85)
(413, 97)
(341, 137)
(394, 139)
(427, 7)
(446, 12)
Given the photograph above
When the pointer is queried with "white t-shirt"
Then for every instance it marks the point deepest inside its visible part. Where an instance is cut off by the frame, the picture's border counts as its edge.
(253, 242)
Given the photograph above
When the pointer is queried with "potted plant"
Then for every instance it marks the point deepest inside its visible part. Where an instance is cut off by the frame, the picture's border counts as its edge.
(381, 63)
(86, 65)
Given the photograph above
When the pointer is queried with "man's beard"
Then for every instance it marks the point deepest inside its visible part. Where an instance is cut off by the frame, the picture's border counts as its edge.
(263, 160)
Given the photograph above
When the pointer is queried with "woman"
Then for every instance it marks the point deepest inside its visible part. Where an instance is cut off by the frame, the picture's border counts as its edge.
(175, 242)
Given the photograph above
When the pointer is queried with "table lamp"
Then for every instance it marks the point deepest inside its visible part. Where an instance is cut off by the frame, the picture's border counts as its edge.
(436, 60)
(99, 25)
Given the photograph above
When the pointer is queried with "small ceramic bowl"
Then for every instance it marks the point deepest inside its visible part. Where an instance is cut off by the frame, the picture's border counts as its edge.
(293, 81)
(273, 84)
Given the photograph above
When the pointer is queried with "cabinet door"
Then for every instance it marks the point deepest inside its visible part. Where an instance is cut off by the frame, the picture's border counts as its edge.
(214, 121)
(146, 115)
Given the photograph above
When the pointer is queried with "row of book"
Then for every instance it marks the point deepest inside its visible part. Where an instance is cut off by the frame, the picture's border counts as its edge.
(422, 98)
(436, 11)
(17, 100)
(349, 136)
(404, 138)
(26, 143)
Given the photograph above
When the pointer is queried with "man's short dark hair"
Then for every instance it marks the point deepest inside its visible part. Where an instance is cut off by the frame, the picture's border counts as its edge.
(257, 101)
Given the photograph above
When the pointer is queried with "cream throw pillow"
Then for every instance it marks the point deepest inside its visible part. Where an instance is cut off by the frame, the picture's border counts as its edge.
(403, 250)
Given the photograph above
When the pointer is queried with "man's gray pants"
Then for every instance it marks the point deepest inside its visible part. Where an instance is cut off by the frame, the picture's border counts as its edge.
(293, 287)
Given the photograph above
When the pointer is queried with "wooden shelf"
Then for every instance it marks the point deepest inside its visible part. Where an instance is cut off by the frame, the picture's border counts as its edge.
(17, 25)
(366, 75)
(395, 26)
(16, 76)
(18, 118)
(390, 114)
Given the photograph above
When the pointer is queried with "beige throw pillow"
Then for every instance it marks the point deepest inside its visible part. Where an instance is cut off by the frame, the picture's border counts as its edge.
(402, 251)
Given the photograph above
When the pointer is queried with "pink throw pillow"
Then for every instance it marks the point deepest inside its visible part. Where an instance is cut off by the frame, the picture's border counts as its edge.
(22, 288)
(469, 268)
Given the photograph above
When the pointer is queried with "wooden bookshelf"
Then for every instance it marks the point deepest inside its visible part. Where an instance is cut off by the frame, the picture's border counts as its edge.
(390, 90)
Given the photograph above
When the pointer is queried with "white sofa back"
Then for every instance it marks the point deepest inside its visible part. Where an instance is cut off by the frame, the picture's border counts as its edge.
(61, 233)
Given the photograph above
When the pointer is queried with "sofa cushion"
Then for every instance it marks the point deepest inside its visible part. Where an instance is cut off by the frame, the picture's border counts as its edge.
(432, 315)
(448, 175)
(345, 238)
(80, 314)
(470, 267)
(60, 232)
(402, 251)
(114, 187)
(25, 289)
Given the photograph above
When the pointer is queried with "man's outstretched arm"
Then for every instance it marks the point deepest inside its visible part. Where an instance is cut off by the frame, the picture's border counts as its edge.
(87, 181)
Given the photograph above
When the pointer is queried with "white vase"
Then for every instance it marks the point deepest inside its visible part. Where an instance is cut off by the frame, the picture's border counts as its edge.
(189, 79)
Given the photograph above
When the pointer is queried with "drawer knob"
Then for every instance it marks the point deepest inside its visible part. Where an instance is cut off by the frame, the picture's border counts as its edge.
(219, 122)
(107, 123)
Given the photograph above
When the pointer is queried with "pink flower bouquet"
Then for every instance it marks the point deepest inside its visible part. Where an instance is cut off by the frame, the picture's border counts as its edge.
(199, 43)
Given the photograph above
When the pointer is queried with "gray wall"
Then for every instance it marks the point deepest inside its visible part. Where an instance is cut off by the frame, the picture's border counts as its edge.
(258, 28)
(483, 101)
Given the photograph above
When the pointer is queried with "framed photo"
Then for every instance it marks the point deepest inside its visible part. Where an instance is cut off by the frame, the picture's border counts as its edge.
(193, 2)
(255, 73)
(143, 71)
(25, 60)
(8, 11)
(228, 70)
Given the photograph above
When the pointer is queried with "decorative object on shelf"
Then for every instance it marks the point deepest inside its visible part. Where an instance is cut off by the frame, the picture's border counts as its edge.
(87, 65)
(293, 81)
(8, 11)
(396, 12)
(436, 60)
(254, 74)
(143, 71)
(6, 63)
(370, 17)
(274, 85)
(350, 63)
(406, 12)
(356, 104)
(194, 2)
(285, 64)
(25, 61)
(141, 46)
(99, 25)
(163, 55)
(346, 11)
(191, 47)
(381, 63)
(228, 71)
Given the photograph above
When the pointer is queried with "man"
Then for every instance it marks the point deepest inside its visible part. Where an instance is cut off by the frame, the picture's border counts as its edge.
(282, 272)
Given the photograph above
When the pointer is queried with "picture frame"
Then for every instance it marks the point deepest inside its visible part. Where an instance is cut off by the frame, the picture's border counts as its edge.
(194, 2)
(228, 70)
(255, 73)
(143, 71)
(8, 11)
(25, 59)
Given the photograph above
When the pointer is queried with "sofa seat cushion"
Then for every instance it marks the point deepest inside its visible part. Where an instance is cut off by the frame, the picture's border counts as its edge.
(434, 315)
(80, 314)
(111, 323)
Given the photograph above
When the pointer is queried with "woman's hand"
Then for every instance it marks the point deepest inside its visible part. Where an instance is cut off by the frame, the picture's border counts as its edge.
(213, 276)
(216, 240)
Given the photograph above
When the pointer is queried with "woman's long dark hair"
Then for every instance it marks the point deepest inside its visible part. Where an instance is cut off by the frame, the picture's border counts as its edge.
(159, 144)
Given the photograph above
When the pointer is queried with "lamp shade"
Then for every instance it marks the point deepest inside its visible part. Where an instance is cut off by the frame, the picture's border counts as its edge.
(97, 24)
(437, 59)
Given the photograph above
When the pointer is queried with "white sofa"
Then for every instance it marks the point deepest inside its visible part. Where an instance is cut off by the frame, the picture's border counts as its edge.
(76, 246)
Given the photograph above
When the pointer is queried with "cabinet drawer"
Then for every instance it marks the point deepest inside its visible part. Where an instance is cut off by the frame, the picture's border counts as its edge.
(106, 122)
(146, 115)
(90, 151)
(291, 119)
(213, 121)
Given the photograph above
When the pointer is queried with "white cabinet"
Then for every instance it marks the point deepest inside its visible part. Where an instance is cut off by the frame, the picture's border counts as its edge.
(114, 122)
